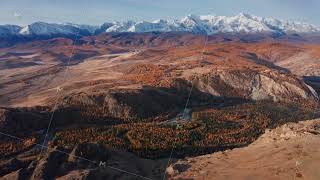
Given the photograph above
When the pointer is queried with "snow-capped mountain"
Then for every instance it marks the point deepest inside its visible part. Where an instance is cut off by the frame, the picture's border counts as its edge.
(42, 28)
(9, 30)
(214, 24)
(209, 24)
(91, 29)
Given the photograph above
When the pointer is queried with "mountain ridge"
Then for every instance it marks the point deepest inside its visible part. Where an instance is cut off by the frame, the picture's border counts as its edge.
(206, 24)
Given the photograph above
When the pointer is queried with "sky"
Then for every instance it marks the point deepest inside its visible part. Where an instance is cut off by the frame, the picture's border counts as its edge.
(96, 12)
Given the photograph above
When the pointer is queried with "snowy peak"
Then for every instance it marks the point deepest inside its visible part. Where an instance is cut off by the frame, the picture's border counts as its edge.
(47, 29)
(235, 24)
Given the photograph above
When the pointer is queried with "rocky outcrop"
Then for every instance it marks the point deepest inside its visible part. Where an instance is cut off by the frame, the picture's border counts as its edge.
(254, 85)
(47, 166)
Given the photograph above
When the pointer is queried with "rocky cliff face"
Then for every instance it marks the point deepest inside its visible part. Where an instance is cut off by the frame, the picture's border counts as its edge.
(265, 85)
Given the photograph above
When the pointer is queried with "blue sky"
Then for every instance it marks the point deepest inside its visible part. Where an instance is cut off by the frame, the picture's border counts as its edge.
(98, 11)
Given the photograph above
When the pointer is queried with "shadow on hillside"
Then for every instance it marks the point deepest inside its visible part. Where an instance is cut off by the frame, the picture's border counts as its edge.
(313, 81)
(264, 62)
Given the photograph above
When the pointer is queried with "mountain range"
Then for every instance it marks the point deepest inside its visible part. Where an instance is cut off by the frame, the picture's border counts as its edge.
(209, 24)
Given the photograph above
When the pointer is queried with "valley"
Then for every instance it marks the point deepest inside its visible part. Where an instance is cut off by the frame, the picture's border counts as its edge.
(140, 100)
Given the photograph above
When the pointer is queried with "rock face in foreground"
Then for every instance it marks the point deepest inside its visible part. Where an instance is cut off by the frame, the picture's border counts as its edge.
(287, 152)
